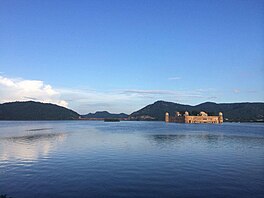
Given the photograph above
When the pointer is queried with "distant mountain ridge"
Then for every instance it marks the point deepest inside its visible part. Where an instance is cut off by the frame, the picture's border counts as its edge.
(104, 114)
(234, 112)
(35, 111)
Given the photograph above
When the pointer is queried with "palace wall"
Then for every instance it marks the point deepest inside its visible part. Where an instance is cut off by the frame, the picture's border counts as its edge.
(186, 118)
(202, 119)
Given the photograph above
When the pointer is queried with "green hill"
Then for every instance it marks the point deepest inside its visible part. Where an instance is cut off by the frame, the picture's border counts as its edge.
(35, 111)
(233, 112)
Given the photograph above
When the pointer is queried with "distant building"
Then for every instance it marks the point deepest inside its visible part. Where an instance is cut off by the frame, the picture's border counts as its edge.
(202, 117)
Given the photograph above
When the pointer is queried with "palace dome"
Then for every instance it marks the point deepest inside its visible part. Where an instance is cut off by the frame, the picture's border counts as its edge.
(202, 113)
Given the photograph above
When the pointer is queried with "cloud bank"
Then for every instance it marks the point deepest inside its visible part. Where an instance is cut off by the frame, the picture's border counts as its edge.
(86, 100)
(16, 89)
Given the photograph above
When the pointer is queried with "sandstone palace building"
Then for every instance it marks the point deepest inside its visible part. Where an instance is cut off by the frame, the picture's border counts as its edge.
(202, 117)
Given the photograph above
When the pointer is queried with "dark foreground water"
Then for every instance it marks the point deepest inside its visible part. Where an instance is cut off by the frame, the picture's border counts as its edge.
(130, 159)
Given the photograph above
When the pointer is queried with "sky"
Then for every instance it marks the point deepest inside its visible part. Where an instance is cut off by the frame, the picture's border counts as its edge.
(119, 56)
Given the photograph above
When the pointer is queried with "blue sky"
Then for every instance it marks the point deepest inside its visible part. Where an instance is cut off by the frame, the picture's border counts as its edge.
(122, 55)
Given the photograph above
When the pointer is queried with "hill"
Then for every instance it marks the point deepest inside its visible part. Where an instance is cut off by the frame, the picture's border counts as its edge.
(104, 114)
(35, 111)
(233, 112)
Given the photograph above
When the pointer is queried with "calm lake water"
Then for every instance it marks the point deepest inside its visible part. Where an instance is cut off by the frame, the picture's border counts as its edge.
(130, 159)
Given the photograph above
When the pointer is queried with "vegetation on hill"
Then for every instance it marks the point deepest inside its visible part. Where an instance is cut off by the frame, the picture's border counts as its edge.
(35, 111)
(104, 114)
(233, 112)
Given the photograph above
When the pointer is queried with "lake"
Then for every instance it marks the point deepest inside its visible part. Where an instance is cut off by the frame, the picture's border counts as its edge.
(130, 159)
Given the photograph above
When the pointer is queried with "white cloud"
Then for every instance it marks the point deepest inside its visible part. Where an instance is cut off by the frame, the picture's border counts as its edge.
(174, 78)
(127, 101)
(164, 92)
(15, 89)
(236, 91)
(85, 101)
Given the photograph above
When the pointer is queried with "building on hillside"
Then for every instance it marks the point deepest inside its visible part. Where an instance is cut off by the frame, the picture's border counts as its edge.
(202, 117)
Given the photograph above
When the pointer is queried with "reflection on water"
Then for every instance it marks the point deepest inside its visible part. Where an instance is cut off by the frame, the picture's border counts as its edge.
(130, 159)
(29, 147)
(209, 138)
(40, 129)
(33, 137)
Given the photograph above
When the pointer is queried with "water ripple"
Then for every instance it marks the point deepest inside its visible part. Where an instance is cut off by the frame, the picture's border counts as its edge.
(131, 159)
